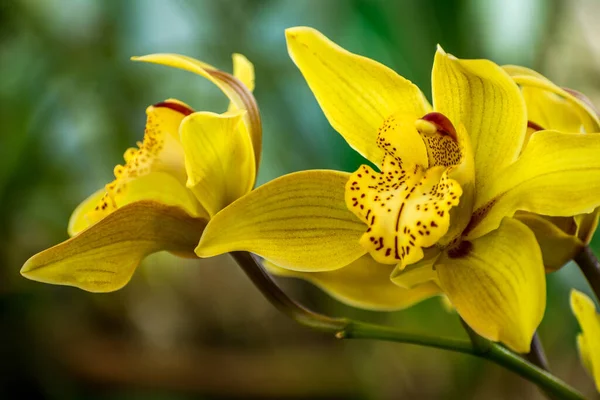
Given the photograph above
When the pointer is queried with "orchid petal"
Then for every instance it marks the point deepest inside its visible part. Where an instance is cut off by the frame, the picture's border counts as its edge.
(558, 174)
(356, 93)
(237, 92)
(104, 257)
(298, 221)
(218, 157)
(586, 225)
(482, 97)
(497, 284)
(558, 247)
(551, 116)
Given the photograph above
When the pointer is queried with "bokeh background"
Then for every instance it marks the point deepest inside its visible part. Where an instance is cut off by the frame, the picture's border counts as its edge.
(71, 102)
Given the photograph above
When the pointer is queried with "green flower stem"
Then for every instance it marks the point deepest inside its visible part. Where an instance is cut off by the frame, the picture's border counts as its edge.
(589, 265)
(344, 328)
(536, 356)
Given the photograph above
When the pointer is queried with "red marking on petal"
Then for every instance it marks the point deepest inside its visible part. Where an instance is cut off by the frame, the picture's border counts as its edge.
(534, 126)
(445, 127)
(177, 107)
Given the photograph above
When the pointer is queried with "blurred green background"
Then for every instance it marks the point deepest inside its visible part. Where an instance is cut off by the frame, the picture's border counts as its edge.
(71, 102)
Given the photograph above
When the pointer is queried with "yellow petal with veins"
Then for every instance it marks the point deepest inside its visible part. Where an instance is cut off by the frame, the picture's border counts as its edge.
(482, 97)
(298, 221)
(497, 284)
(363, 283)
(558, 174)
(405, 209)
(218, 157)
(104, 257)
(528, 79)
(237, 92)
(356, 93)
(551, 111)
(588, 343)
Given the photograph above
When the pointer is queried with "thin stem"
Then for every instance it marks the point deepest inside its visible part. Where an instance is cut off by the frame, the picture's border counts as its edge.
(281, 301)
(344, 328)
(536, 356)
(589, 265)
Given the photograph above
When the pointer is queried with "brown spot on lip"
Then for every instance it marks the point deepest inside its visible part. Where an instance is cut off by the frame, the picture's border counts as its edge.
(177, 107)
(444, 125)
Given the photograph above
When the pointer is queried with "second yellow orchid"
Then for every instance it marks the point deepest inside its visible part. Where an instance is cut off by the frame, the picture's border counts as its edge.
(189, 166)
(552, 107)
(438, 214)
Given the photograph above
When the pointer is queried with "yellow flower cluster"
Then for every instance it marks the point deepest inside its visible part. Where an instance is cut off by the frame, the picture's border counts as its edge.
(473, 197)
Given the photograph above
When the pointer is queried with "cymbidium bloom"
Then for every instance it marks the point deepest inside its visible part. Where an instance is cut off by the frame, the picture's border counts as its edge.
(587, 341)
(555, 108)
(437, 215)
(189, 166)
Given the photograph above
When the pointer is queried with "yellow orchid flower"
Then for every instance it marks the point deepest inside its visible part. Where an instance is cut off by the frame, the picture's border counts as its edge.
(440, 208)
(189, 166)
(587, 341)
(555, 108)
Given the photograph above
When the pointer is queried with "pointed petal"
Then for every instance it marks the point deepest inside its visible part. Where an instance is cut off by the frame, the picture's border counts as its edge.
(218, 158)
(480, 95)
(588, 343)
(558, 248)
(553, 107)
(356, 93)
(363, 283)
(558, 174)
(498, 285)
(298, 221)
(104, 257)
(240, 95)
(243, 69)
